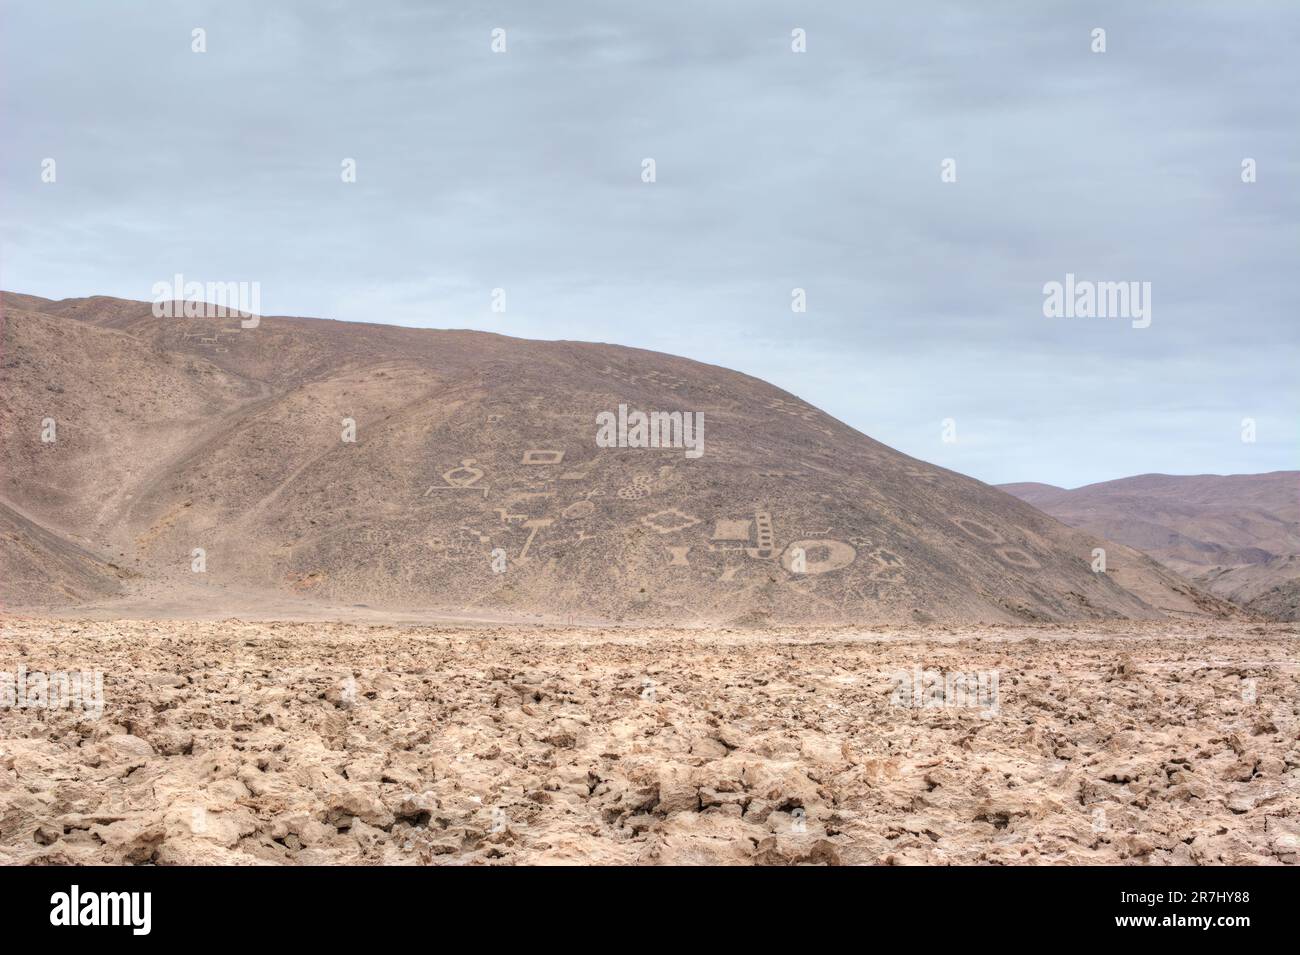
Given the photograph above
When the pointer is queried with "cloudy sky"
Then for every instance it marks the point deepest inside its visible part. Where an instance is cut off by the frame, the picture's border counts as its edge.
(774, 170)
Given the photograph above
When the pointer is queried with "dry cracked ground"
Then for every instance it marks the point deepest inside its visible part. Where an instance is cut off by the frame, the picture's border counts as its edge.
(306, 743)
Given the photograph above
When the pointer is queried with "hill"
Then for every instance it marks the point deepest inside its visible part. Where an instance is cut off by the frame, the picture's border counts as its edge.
(203, 460)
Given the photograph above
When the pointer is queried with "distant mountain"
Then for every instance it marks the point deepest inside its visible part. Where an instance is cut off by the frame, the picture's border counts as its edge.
(197, 461)
(1238, 535)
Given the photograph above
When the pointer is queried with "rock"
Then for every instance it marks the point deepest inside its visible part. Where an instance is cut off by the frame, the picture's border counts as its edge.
(677, 790)
(128, 748)
(136, 838)
(171, 742)
(367, 836)
(343, 800)
(563, 733)
(417, 806)
(707, 747)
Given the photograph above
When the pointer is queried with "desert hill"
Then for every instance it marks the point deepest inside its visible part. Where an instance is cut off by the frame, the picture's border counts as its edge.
(1237, 535)
(195, 457)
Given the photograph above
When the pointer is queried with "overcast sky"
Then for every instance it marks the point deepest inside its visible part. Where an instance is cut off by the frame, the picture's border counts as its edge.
(774, 170)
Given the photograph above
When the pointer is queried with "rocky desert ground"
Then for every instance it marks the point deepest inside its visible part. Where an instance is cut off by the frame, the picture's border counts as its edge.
(233, 742)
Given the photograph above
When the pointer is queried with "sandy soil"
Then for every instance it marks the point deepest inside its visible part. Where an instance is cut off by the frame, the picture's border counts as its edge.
(316, 743)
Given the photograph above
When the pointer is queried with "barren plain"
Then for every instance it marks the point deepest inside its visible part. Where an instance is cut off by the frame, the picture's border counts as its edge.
(237, 742)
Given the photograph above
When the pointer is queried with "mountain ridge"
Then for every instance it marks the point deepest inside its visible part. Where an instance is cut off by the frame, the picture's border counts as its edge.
(1236, 535)
(474, 483)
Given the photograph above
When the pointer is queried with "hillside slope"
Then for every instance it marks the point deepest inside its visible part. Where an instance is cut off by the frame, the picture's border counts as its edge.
(195, 452)
(1237, 535)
